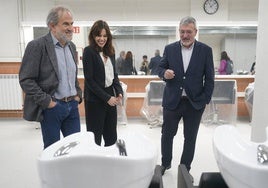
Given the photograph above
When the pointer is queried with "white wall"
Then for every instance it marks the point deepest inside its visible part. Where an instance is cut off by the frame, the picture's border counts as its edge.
(28, 12)
(216, 43)
(242, 50)
(10, 35)
(136, 10)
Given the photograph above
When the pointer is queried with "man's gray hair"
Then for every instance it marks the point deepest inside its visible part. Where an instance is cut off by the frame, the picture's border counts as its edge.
(188, 20)
(122, 53)
(157, 52)
(55, 14)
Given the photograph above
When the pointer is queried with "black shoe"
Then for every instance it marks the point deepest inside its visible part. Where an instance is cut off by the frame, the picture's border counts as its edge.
(163, 169)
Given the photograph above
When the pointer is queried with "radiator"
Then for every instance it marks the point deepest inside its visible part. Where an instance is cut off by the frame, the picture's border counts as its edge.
(11, 95)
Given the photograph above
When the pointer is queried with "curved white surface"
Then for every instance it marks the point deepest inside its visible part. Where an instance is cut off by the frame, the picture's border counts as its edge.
(237, 159)
(90, 165)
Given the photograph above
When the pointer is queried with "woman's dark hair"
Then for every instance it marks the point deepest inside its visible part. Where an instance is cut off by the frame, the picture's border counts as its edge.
(95, 31)
(129, 55)
(224, 56)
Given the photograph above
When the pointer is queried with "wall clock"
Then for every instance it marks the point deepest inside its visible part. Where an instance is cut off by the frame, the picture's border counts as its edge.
(211, 6)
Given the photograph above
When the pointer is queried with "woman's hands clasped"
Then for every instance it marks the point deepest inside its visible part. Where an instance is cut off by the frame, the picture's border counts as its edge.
(113, 101)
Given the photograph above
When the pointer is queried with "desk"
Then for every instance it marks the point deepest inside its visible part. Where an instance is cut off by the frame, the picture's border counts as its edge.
(136, 92)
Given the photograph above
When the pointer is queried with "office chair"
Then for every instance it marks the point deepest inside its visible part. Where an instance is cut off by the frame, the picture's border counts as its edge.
(152, 105)
(223, 108)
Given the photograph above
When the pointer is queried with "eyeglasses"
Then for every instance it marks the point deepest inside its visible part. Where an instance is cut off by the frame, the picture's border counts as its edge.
(187, 32)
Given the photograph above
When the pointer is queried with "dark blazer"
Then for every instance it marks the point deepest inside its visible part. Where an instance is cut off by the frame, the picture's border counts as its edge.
(94, 74)
(127, 67)
(154, 63)
(198, 80)
(39, 76)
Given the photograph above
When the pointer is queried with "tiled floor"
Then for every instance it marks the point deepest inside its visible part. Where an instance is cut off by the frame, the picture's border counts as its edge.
(21, 144)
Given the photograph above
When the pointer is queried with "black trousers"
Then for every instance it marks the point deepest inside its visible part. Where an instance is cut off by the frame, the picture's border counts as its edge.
(191, 121)
(101, 119)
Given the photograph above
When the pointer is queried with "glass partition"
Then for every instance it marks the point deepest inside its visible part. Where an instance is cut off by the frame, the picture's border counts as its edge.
(238, 41)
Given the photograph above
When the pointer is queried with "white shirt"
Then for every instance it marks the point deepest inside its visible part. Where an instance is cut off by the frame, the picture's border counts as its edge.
(186, 57)
(67, 70)
(109, 71)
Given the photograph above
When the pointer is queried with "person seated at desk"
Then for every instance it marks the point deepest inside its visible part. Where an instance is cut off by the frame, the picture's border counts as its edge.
(144, 65)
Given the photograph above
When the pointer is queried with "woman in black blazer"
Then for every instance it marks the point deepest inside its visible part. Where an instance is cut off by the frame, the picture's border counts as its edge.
(127, 66)
(102, 91)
